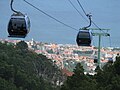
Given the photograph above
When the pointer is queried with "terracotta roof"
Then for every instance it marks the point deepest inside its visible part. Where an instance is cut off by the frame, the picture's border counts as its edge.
(67, 72)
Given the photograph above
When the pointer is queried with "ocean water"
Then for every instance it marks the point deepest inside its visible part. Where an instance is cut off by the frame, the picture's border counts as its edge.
(105, 13)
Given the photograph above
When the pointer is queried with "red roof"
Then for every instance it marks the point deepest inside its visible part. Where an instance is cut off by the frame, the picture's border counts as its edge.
(67, 72)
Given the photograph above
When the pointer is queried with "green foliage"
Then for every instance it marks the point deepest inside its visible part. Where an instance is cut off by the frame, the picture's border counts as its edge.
(22, 45)
(79, 81)
(117, 65)
(21, 69)
(106, 79)
(5, 85)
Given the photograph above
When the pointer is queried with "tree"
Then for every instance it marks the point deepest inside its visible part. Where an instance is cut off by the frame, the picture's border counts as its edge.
(79, 81)
(109, 78)
(22, 45)
(5, 85)
(22, 69)
(117, 65)
(106, 79)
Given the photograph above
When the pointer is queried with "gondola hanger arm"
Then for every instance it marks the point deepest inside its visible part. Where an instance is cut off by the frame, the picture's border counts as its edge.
(11, 5)
(90, 21)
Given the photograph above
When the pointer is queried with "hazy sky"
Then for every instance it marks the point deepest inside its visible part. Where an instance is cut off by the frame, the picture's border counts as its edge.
(105, 13)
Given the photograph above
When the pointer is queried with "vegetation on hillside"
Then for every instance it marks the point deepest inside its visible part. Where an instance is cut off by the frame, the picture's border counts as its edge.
(106, 79)
(21, 69)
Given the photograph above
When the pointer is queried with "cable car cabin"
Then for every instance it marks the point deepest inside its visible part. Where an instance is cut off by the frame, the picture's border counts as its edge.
(84, 38)
(18, 26)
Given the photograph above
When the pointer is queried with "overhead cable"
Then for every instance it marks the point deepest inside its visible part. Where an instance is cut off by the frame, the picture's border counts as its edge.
(77, 10)
(87, 14)
(50, 15)
(81, 7)
(11, 5)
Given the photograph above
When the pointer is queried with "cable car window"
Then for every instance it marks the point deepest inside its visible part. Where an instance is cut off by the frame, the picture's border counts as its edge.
(18, 23)
(84, 35)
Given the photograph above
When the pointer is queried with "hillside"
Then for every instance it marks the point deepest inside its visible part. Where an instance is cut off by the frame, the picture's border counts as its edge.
(107, 78)
(21, 69)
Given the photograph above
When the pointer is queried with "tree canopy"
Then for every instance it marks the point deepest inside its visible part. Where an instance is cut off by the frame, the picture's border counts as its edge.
(106, 79)
(21, 69)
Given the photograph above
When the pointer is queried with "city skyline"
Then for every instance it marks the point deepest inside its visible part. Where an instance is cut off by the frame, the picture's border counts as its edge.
(67, 56)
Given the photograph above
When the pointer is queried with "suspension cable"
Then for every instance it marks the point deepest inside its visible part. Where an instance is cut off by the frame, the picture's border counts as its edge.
(97, 26)
(77, 10)
(50, 15)
(11, 5)
(87, 16)
(93, 21)
(81, 7)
